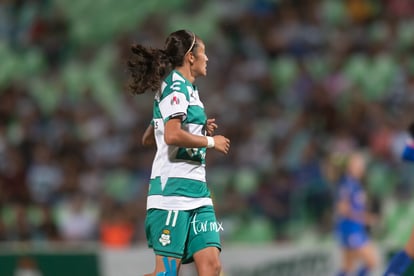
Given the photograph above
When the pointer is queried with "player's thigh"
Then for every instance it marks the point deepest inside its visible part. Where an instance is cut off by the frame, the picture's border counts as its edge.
(167, 231)
(207, 261)
(348, 259)
(368, 254)
(160, 264)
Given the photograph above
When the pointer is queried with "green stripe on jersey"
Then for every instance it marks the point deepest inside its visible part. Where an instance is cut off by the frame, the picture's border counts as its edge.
(156, 113)
(195, 115)
(179, 86)
(179, 187)
(186, 187)
(155, 186)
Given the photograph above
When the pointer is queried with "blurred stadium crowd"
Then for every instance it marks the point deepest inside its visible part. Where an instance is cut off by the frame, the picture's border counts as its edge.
(289, 82)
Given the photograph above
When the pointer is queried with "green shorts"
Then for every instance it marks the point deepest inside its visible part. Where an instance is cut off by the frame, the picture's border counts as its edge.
(180, 234)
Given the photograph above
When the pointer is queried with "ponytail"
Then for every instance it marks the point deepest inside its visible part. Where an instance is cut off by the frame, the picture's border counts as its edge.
(147, 67)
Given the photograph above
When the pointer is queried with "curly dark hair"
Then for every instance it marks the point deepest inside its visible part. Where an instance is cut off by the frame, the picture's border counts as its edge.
(147, 66)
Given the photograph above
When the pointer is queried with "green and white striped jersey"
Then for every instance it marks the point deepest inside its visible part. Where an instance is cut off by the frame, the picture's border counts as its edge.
(178, 178)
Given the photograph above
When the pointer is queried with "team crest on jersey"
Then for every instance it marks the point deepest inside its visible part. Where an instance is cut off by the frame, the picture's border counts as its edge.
(196, 153)
(192, 151)
(165, 237)
(175, 100)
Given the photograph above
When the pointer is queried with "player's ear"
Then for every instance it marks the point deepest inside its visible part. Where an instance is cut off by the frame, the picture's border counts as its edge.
(191, 58)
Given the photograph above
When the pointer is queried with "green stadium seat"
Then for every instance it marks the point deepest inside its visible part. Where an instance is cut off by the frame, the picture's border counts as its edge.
(119, 185)
(334, 12)
(246, 180)
(283, 71)
(254, 230)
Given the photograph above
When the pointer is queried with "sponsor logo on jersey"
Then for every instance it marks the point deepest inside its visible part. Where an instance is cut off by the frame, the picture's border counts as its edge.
(206, 226)
(175, 100)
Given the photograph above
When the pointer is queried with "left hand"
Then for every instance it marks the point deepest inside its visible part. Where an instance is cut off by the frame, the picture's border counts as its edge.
(211, 126)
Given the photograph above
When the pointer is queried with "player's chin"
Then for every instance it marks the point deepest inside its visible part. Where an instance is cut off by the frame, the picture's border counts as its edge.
(202, 73)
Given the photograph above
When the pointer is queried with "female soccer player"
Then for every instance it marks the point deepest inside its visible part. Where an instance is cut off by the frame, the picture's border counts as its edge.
(352, 219)
(403, 259)
(181, 226)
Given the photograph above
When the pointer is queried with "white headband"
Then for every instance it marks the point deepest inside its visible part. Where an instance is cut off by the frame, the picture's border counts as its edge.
(192, 45)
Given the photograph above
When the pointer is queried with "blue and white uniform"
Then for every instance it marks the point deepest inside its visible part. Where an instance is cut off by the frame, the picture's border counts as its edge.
(351, 230)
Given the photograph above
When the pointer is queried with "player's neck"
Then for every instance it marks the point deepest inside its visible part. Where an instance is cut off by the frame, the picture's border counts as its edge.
(185, 71)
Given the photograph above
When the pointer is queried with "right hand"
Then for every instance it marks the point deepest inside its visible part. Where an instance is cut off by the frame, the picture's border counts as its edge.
(221, 144)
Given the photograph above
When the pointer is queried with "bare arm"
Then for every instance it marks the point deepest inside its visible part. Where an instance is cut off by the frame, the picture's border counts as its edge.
(148, 139)
(175, 135)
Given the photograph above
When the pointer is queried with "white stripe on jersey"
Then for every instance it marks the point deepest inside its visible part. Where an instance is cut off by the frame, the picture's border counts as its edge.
(194, 128)
(189, 169)
(176, 202)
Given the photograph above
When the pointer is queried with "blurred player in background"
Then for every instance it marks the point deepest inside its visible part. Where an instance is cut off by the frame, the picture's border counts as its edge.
(403, 259)
(181, 225)
(352, 219)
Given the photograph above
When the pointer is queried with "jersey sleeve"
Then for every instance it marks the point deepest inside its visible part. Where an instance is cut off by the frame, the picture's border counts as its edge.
(175, 101)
